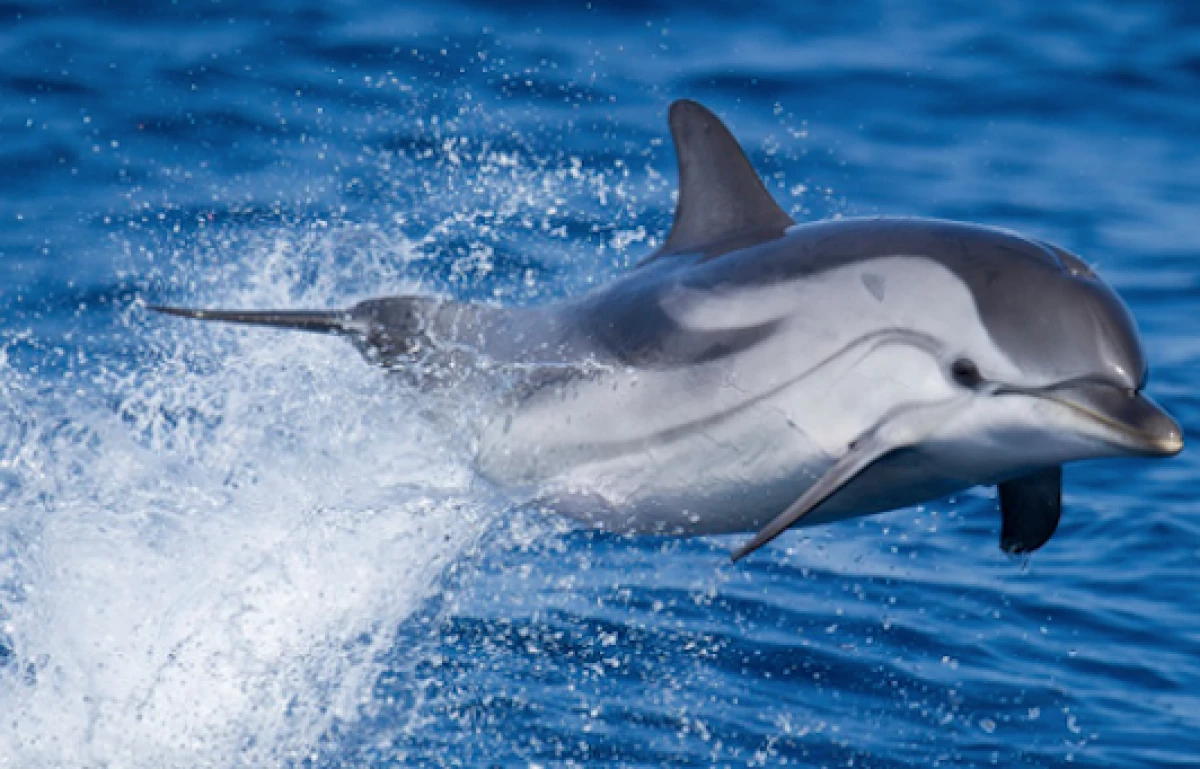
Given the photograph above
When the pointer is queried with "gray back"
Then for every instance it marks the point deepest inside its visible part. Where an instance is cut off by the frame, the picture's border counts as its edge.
(1042, 307)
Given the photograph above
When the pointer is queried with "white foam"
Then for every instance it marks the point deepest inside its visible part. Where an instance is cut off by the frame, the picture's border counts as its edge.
(202, 574)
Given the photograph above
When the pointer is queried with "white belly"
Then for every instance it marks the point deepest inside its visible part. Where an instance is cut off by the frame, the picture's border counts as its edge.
(696, 452)
(729, 475)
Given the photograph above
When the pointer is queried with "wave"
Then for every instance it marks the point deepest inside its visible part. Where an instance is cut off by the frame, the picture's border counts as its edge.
(206, 549)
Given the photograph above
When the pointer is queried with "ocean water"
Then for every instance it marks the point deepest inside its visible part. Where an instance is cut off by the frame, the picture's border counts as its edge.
(238, 548)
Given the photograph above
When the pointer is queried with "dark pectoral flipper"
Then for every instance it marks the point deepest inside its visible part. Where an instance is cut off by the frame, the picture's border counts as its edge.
(860, 456)
(1030, 507)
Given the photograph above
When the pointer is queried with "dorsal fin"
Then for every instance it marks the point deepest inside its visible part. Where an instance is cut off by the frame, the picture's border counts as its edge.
(720, 195)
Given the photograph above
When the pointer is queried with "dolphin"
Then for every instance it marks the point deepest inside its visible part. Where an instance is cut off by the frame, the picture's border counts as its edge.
(755, 374)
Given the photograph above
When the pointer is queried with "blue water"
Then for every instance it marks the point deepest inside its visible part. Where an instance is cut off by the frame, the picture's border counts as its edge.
(225, 548)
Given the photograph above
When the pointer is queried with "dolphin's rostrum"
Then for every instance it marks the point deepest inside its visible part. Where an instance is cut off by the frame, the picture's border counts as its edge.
(754, 374)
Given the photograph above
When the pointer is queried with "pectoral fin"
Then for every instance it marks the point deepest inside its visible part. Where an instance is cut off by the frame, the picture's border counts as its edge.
(1030, 507)
(860, 456)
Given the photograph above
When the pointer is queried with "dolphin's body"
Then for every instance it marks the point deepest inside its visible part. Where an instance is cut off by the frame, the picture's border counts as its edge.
(755, 374)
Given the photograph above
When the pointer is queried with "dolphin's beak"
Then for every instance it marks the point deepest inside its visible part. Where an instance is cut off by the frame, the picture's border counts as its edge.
(1137, 423)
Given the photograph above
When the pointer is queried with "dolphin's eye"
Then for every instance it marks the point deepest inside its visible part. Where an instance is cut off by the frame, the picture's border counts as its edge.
(966, 373)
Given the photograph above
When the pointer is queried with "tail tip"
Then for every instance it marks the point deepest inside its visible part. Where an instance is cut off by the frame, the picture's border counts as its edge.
(180, 312)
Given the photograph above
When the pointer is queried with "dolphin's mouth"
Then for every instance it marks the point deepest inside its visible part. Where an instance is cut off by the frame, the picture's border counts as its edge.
(1139, 424)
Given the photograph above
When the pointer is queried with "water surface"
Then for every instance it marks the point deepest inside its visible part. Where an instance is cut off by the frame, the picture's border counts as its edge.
(228, 548)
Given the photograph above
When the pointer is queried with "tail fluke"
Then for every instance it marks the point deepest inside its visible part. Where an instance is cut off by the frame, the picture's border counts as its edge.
(385, 330)
(317, 321)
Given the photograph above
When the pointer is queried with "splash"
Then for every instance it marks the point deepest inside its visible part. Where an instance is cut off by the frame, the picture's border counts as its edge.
(203, 553)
